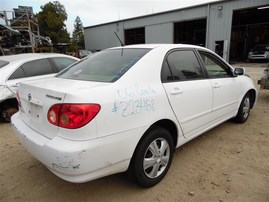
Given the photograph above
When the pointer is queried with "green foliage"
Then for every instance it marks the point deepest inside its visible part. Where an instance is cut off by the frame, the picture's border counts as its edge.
(51, 22)
(78, 33)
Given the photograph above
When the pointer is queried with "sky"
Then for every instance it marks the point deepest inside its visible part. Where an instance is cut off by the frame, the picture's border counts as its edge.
(94, 12)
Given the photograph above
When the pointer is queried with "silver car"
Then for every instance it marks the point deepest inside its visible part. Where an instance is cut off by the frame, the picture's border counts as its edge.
(260, 52)
(23, 67)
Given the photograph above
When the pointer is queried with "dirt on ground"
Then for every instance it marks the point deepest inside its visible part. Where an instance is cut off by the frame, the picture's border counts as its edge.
(228, 163)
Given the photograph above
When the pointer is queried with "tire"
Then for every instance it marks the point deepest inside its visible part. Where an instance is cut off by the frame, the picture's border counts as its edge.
(8, 113)
(152, 157)
(244, 110)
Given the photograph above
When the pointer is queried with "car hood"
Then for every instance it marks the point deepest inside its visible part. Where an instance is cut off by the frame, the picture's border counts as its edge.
(37, 97)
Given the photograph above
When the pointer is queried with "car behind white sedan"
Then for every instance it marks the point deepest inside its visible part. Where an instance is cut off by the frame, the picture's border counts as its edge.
(259, 53)
(127, 109)
(24, 67)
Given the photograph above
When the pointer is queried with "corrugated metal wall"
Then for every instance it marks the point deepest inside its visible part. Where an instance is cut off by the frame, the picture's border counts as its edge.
(102, 37)
(220, 21)
(159, 27)
(159, 33)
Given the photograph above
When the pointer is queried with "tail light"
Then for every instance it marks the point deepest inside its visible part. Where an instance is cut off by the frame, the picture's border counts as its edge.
(18, 98)
(72, 115)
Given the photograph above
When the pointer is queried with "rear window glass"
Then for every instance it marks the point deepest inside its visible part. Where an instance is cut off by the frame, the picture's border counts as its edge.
(3, 63)
(62, 62)
(17, 74)
(105, 66)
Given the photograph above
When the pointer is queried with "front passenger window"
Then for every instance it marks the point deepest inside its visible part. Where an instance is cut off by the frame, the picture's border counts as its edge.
(214, 68)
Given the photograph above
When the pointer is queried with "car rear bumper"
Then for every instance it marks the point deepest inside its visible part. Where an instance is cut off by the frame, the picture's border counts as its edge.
(78, 161)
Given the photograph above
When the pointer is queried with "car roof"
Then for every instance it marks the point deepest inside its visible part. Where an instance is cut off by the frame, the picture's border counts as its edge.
(13, 61)
(31, 56)
(152, 46)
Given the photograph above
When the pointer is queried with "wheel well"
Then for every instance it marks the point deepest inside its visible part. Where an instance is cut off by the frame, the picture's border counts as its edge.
(168, 125)
(9, 103)
(252, 94)
(164, 123)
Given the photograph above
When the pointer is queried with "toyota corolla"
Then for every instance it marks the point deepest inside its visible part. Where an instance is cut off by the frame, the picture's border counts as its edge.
(127, 109)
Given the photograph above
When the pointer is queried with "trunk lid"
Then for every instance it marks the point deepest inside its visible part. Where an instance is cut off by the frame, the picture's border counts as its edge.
(37, 97)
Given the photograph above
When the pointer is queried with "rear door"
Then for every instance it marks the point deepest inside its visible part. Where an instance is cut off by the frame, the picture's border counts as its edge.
(189, 92)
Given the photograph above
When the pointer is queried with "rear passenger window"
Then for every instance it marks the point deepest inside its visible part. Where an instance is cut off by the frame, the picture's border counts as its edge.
(61, 62)
(38, 67)
(184, 65)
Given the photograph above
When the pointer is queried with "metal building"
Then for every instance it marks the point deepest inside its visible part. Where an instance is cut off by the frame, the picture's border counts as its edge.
(229, 27)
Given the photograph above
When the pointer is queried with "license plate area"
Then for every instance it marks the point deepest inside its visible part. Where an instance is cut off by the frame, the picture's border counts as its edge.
(34, 111)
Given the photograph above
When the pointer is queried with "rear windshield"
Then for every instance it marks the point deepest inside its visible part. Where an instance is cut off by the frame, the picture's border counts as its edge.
(3, 63)
(105, 66)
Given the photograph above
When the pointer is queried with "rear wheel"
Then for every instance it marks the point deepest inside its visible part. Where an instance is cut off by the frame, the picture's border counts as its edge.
(152, 157)
(244, 110)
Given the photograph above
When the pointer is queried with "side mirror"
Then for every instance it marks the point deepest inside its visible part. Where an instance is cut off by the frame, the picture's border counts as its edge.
(239, 71)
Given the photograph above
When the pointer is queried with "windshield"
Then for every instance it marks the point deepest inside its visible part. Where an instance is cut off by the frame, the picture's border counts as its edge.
(105, 66)
(261, 48)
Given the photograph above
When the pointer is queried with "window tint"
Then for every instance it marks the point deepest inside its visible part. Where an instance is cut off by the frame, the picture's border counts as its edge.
(184, 65)
(17, 74)
(37, 67)
(62, 62)
(214, 68)
(166, 73)
(105, 66)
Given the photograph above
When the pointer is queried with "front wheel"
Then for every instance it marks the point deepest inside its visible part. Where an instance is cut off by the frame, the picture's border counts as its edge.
(152, 157)
(244, 110)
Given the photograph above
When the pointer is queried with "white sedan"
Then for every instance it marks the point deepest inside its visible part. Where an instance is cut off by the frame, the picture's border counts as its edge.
(127, 109)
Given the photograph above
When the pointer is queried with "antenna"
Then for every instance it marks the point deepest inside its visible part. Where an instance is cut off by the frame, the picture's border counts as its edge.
(118, 14)
(122, 44)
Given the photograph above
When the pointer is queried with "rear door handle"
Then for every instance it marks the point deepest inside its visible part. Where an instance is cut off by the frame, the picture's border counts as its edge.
(176, 91)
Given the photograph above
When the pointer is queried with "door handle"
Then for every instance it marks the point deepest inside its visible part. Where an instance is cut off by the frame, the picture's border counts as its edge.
(216, 85)
(176, 91)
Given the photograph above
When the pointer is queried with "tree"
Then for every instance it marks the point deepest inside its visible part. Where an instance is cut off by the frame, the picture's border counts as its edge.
(51, 22)
(78, 33)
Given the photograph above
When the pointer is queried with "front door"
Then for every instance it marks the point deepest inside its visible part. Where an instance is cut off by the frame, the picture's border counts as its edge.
(226, 87)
